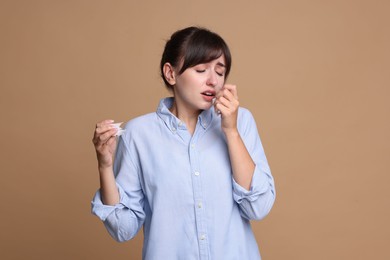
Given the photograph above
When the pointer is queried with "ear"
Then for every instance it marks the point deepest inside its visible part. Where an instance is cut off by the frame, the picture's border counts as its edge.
(169, 73)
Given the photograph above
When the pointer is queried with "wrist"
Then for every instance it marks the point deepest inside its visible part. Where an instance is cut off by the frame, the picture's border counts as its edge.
(104, 168)
(231, 132)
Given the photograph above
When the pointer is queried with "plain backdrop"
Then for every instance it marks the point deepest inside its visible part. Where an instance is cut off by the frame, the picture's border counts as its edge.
(315, 74)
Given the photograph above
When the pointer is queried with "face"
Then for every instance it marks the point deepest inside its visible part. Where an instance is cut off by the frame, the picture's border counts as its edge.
(197, 86)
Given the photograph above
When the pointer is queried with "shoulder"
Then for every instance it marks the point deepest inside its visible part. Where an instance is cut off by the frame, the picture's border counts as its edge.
(140, 120)
(137, 125)
(244, 115)
(245, 121)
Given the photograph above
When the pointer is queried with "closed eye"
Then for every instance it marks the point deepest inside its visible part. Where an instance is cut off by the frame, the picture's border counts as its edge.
(200, 71)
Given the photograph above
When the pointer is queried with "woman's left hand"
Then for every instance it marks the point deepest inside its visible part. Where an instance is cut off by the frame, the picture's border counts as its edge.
(227, 104)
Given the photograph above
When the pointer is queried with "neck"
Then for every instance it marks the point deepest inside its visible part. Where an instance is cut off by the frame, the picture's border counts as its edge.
(187, 116)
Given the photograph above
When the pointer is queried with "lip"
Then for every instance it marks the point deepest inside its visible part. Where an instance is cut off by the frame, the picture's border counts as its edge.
(208, 98)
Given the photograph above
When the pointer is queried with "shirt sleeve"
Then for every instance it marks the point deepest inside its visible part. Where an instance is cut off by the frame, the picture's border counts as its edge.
(124, 219)
(256, 202)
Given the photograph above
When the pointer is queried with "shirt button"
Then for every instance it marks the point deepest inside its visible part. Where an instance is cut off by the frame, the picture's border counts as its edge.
(173, 129)
(202, 237)
(200, 205)
(192, 146)
(180, 123)
(196, 173)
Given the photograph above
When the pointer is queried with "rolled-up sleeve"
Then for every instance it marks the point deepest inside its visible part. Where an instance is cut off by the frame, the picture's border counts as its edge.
(256, 202)
(124, 219)
(102, 211)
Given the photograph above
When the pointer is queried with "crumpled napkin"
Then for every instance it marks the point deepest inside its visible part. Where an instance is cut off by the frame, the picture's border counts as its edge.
(120, 130)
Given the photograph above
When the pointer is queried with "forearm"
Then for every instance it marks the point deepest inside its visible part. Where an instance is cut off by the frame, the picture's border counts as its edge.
(108, 189)
(242, 164)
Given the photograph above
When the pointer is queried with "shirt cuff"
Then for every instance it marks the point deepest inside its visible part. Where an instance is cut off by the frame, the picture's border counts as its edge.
(259, 185)
(101, 210)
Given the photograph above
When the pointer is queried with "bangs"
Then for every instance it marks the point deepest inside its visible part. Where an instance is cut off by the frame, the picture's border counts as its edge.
(204, 47)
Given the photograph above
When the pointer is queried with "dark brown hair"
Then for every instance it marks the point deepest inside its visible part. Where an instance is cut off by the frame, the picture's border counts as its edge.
(193, 46)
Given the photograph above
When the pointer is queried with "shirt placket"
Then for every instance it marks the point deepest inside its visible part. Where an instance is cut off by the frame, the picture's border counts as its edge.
(199, 209)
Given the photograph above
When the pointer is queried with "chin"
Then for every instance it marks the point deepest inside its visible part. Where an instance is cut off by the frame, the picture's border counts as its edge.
(206, 106)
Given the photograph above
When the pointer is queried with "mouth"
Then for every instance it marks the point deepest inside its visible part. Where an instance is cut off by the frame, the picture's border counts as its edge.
(209, 93)
(208, 96)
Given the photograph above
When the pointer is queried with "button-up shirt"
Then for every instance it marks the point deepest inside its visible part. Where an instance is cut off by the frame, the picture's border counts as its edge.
(180, 188)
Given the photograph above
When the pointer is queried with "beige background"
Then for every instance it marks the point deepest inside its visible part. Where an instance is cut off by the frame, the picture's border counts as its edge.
(314, 73)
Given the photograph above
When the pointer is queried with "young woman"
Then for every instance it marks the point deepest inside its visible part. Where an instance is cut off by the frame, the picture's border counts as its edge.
(192, 174)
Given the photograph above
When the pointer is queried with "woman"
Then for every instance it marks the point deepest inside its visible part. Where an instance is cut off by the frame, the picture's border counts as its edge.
(193, 173)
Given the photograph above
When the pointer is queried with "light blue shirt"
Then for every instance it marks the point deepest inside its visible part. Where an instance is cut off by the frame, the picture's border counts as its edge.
(181, 190)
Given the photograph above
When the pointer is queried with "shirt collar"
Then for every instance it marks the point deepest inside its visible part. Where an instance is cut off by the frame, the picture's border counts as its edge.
(173, 123)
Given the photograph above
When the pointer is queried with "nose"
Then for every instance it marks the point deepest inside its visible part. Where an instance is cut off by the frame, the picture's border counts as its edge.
(212, 79)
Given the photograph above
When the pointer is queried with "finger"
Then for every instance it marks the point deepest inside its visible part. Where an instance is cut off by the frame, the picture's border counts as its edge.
(221, 109)
(219, 93)
(224, 101)
(103, 128)
(111, 140)
(103, 138)
(227, 102)
(104, 122)
(215, 106)
(228, 95)
(232, 89)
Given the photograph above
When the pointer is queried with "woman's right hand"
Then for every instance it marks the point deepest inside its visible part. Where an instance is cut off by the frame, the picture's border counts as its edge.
(104, 140)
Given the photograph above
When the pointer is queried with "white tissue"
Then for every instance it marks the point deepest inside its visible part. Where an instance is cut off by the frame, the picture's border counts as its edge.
(216, 110)
(120, 130)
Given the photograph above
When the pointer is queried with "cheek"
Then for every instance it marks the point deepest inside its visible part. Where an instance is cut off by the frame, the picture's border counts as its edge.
(220, 85)
(182, 83)
(195, 83)
(186, 80)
